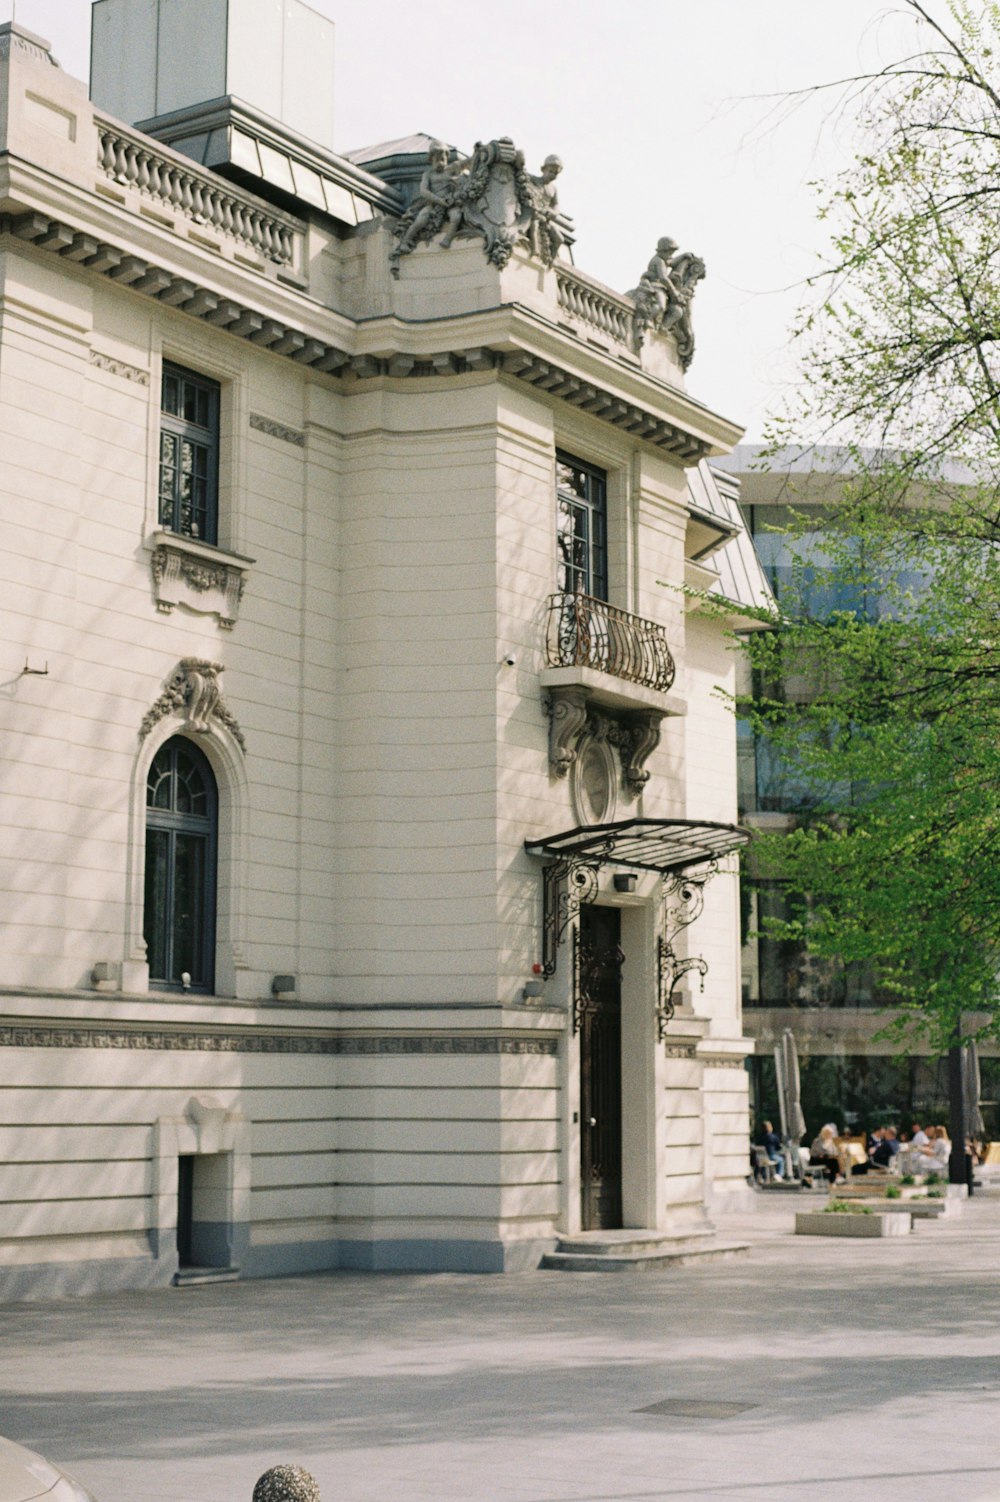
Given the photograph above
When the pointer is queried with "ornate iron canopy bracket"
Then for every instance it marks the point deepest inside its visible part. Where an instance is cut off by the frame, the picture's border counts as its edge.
(566, 885)
(575, 859)
(683, 900)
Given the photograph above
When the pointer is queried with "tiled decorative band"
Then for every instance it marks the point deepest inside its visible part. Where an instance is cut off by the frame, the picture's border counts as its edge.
(223, 1040)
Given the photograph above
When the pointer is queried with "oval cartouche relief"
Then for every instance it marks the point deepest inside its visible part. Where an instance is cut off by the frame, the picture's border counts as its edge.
(594, 782)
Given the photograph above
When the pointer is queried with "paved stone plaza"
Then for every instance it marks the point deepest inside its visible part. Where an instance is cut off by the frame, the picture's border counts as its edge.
(871, 1371)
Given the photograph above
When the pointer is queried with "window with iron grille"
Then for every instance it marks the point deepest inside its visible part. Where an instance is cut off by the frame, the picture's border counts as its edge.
(582, 527)
(189, 454)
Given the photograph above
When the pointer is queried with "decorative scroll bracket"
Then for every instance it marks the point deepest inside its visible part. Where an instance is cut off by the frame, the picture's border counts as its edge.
(635, 734)
(683, 901)
(566, 886)
(567, 710)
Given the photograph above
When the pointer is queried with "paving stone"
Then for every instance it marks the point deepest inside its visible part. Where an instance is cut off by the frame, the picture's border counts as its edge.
(800, 1373)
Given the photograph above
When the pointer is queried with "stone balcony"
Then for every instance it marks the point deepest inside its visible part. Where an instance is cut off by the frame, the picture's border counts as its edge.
(608, 673)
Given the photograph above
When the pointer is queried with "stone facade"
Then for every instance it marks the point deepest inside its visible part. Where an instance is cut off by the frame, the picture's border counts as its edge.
(366, 1082)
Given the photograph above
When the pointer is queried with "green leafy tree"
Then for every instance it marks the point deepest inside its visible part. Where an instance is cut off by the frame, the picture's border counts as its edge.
(896, 860)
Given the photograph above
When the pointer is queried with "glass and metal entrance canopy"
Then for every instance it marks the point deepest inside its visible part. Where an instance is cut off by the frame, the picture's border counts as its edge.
(662, 845)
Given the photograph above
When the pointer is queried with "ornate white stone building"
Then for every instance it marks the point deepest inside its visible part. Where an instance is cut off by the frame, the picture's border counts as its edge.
(361, 751)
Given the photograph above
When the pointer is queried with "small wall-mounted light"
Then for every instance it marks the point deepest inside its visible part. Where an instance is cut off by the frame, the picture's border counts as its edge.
(283, 985)
(624, 881)
(185, 980)
(532, 990)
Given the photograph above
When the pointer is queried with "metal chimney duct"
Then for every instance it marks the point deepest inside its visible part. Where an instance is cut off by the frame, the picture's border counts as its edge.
(242, 86)
(152, 58)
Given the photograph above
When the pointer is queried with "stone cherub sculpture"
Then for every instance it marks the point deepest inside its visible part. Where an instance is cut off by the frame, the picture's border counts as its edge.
(545, 237)
(664, 295)
(489, 195)
(436, 203)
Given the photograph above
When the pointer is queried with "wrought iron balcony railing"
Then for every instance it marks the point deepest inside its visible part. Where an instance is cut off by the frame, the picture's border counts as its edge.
(587, 633)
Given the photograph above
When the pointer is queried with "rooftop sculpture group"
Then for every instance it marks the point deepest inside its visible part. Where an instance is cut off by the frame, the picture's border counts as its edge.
(664, 295)
(489, 195)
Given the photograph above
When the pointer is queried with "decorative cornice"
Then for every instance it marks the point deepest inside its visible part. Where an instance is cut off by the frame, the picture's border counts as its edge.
(15, 38)
(231, 1040)
(280, 338)
(140, 275)
(277, 430)
(553, 380)
(119, 368)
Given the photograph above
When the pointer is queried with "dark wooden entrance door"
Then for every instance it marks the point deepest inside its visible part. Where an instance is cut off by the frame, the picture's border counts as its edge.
(185, 1208)
(600, 1011)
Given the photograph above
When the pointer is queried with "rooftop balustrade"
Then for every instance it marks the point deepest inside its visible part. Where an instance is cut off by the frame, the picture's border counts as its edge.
(198, 195)
(589, 302)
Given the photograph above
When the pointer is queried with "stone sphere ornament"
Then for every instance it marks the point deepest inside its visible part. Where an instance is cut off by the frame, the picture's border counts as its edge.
(286, 1483)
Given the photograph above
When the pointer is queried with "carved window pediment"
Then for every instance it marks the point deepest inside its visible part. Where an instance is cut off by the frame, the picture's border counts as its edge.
(204, 579)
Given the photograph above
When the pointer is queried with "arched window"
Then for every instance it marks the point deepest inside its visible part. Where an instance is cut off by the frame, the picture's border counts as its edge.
(181, 829)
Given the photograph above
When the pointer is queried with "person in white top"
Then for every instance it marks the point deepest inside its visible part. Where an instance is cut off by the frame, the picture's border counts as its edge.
(933, 1156)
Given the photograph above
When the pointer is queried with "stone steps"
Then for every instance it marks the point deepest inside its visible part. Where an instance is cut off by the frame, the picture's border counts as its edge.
(193, 1277)
(636, 1251)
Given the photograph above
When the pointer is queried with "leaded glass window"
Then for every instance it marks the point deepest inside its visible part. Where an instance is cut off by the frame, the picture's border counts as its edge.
(189, 454)
(181, 826)
(582, 527)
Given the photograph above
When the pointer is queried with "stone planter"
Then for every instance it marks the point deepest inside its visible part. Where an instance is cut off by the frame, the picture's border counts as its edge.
(860, 1189)
(919, 1209)
(879, 1223)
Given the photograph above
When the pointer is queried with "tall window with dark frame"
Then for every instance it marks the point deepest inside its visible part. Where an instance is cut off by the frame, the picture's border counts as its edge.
(189, 454)
(181, 833)
(582, 527)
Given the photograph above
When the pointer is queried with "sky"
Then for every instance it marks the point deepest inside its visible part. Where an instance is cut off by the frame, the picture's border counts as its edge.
(671, 118)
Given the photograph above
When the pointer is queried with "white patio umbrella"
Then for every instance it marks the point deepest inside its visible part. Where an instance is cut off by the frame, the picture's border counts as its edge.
(972, 1089)
(793, 1123)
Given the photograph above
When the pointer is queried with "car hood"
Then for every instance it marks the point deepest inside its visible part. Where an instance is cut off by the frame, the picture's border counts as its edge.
(23, 1474)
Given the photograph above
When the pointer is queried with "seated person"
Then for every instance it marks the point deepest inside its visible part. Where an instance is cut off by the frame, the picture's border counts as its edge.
(940, 1152)
(887, 1147)
(824, 1155)
(771, 1143)
(931, 1157)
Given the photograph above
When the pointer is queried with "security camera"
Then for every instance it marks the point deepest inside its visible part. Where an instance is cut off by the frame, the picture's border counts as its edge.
(511, 660)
